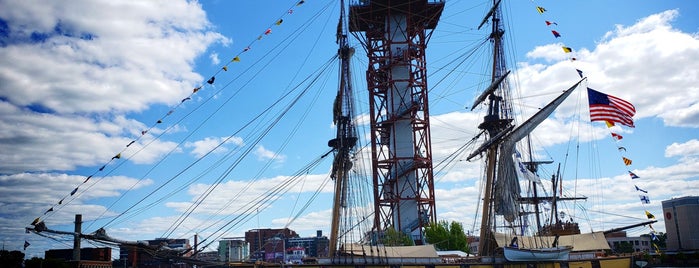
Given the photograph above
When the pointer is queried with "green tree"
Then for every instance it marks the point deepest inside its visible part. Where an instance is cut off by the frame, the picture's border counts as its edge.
(446, 236)
(391, 237)
(624, 247)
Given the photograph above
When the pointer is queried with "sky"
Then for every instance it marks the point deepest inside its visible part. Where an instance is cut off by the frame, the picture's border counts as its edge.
(81, 80)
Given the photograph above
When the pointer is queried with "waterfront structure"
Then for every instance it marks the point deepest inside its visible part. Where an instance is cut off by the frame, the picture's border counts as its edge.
(89, 257)
(208, 256)
(233, 249)
(396, 35)
(316, 246)
(681, 216)
(638, 243)
(268, 244)
(137, 256)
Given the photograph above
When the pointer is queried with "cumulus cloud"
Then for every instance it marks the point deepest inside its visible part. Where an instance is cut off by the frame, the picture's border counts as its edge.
(21, 203)
(263, 155)
(214, 58)
(83, 73)
(650, 64)
(237, 197)
(689, 148)
(643, 63)
(213, 145)
(80, 74)
(78, 67)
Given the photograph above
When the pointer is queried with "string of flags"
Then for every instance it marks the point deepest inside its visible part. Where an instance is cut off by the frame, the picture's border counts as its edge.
(554, 31)
(237, 58)
(612, 111)
(605, 108)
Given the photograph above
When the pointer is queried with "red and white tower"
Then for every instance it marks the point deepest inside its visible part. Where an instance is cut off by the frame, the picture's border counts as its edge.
(395, 38)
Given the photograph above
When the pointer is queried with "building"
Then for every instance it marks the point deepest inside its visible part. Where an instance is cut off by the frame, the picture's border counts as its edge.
(233, 249)
(209, 256)
(268, 244)
(89, 257)
(316, 246)
(638, 243)
(136, 256)
(681, 215)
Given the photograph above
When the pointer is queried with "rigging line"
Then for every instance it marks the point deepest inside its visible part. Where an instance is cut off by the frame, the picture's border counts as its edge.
(464, 56)
(285, 43)
(295, 36)
(174, 149)
(288, 137)
(216, 147)
(454, 83)
(238, 161)
(247, 151)
(264, 32)
(446, 163)
(287, 140)
(280, 19)
(262, 201)
(305, 114)
(309, 202)
(154, 125)
(292, 35)
(244, 214)
(264, 168)
(251, 182)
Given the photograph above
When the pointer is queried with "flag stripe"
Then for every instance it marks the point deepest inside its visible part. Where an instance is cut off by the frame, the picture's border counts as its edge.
(605, 107)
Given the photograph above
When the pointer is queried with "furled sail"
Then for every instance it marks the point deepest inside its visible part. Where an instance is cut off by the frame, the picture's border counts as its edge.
(506, 184)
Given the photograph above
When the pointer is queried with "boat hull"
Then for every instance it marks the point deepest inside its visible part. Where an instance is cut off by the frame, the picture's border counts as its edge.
(539, 254)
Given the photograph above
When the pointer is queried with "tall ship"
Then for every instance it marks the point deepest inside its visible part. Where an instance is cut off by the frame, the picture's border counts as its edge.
(382, 170)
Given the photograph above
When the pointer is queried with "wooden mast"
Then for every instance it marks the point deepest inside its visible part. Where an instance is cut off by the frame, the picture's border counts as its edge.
(495, 123)
(346, 139)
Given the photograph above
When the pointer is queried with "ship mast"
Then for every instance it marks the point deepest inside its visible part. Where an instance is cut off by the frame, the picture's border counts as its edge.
(496, 122)
(395, 38)
(344, 142)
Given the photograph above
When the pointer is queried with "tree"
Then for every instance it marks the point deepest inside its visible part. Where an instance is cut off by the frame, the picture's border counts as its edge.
(624, 247)
(445, 236)
(391, 237)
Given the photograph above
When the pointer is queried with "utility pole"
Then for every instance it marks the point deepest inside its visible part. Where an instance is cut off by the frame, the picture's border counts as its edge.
(76, 237)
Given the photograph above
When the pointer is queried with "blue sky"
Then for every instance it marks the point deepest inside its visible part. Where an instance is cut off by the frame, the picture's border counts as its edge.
(80, 80)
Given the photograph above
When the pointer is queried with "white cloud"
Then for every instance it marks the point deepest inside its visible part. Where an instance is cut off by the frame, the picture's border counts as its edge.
(214, 58)
(686, 149)
(243, 197)
(144, 51)
(212, 144)
(21, 203)
(649, 64)
(75, 76)
(307, 223)
(652, 65)
(263, 155)
(92, 59)
(137, 55)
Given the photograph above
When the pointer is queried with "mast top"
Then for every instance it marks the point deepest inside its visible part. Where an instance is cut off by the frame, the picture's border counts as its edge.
(366, 14)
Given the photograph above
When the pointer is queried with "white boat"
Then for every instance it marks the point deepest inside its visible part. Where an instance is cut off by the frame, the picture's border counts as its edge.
(559, 253)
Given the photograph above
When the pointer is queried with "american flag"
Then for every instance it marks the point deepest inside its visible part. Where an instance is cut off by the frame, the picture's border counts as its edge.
(605, 107)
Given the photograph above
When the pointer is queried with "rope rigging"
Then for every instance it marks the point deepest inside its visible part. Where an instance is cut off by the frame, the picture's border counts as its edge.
(141, 205)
